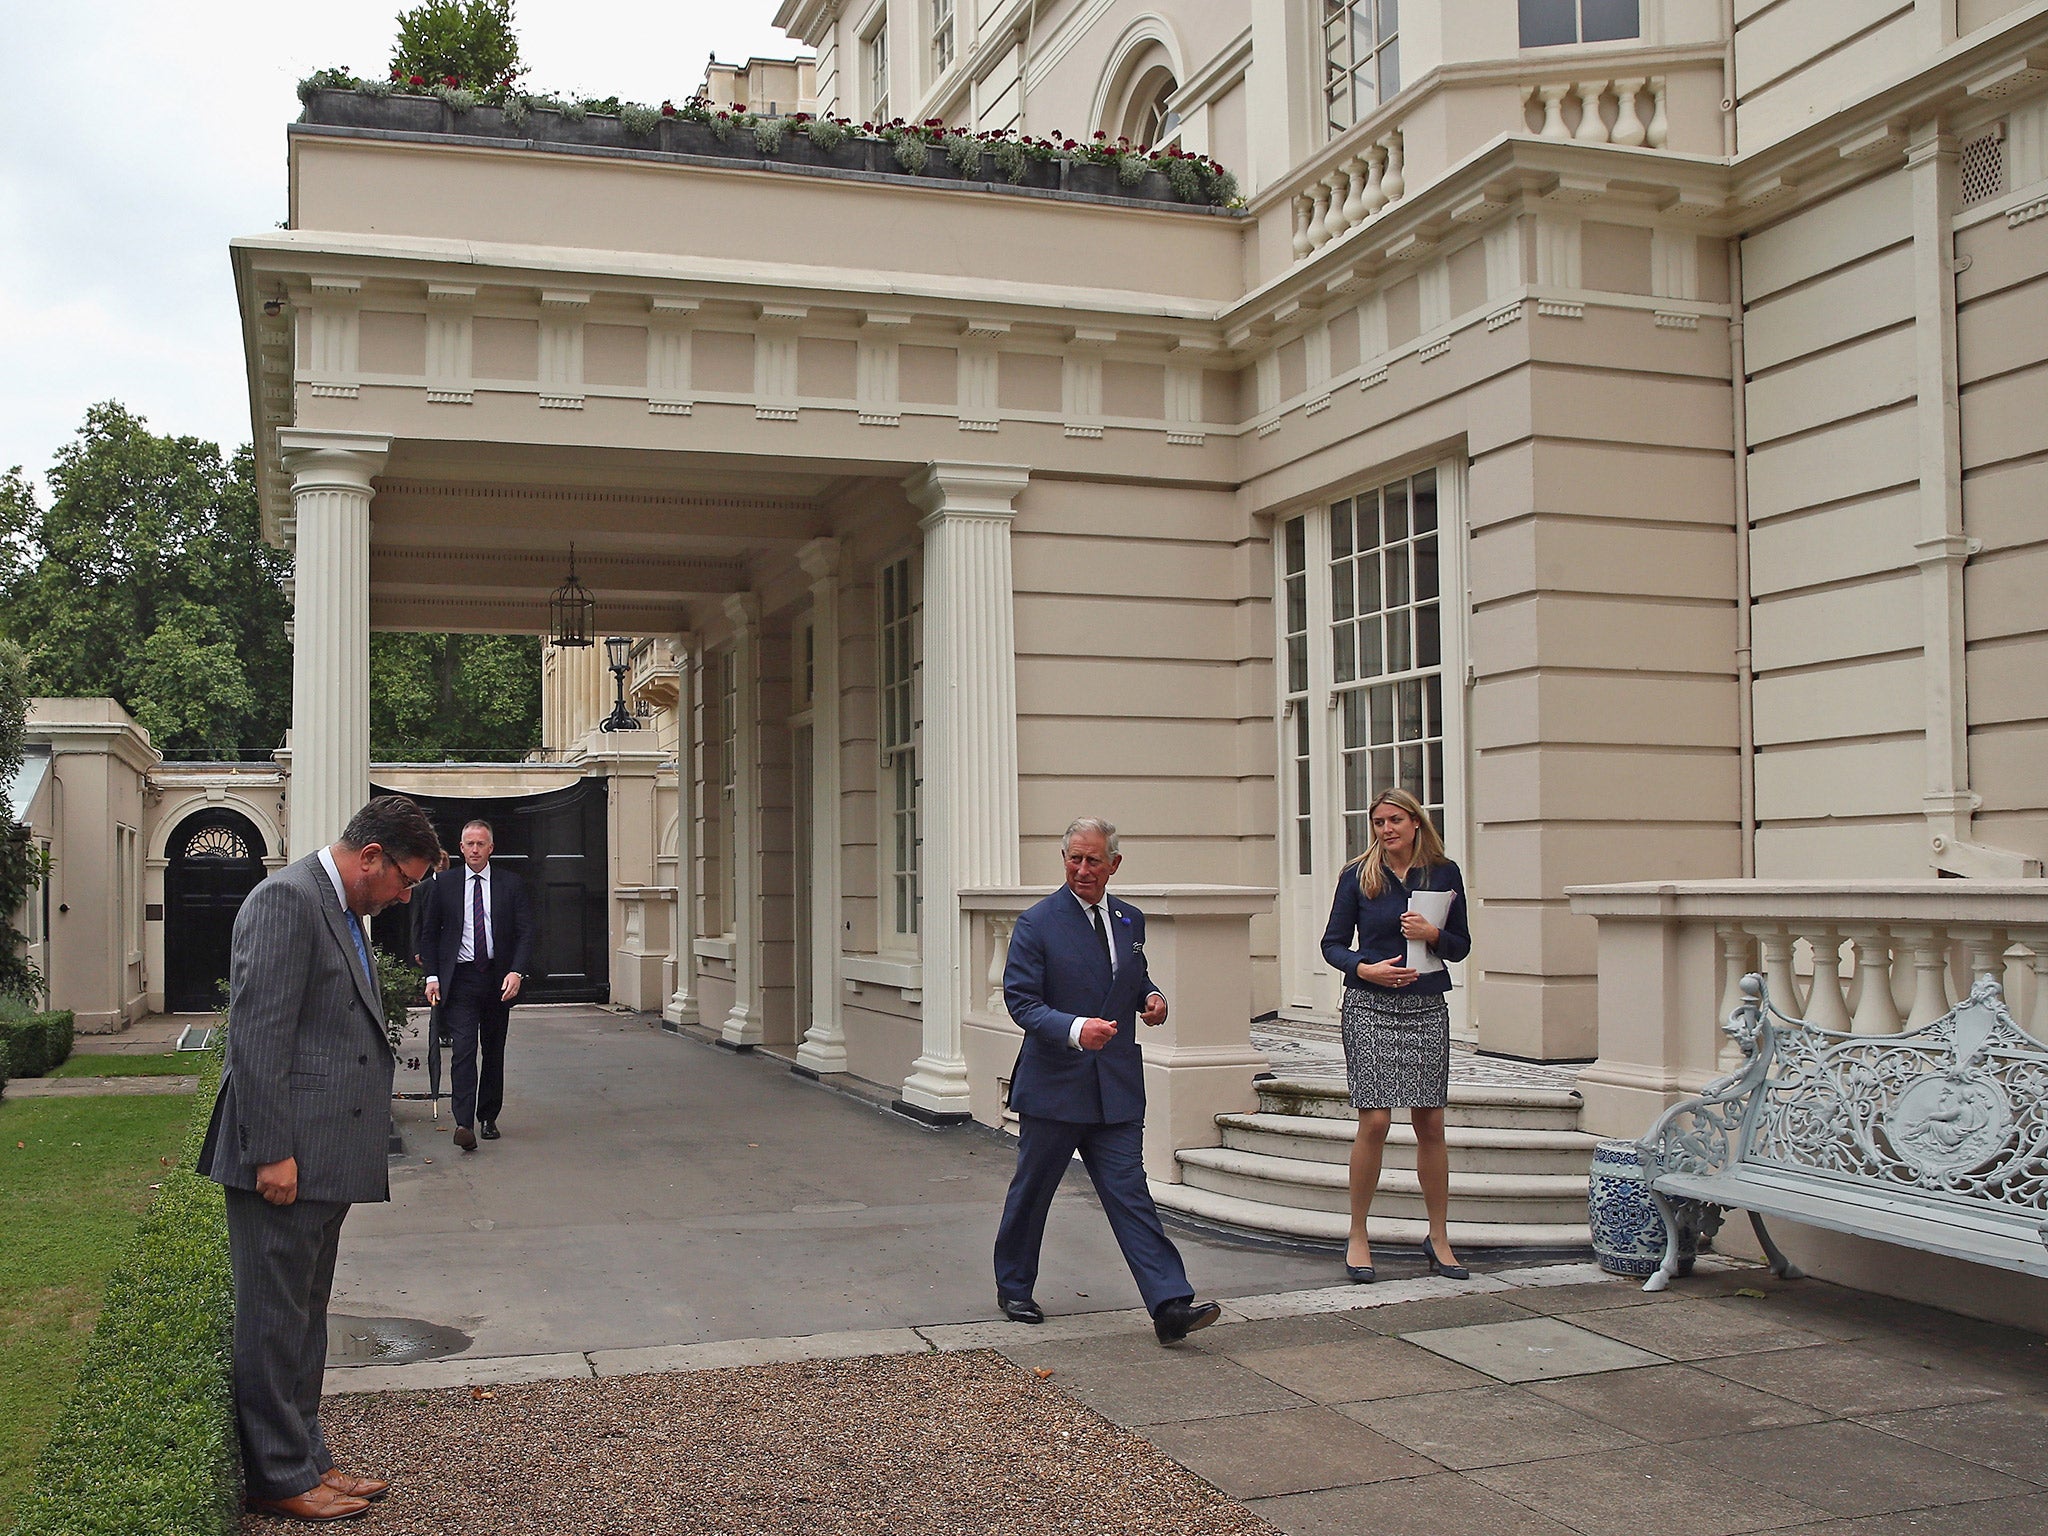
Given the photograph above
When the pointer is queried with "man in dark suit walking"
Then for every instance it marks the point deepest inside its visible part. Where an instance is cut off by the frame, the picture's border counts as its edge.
(1076, 984)
(299, 1134)
(476, 935)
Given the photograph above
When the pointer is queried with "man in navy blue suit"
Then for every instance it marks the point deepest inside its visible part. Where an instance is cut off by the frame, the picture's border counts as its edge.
(1076, 984)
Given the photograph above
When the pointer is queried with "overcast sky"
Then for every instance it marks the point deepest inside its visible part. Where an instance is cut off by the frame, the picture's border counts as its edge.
(138, 137)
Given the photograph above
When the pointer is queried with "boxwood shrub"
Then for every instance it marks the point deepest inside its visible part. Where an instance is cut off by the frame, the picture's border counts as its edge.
(32, 1043)
(146, 1446)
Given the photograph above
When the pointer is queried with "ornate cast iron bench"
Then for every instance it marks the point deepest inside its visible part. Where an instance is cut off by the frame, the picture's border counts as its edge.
(1934, 1139)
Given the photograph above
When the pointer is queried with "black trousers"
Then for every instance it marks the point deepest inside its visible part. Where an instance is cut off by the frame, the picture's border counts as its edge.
(283, 1262)
(476, 1022)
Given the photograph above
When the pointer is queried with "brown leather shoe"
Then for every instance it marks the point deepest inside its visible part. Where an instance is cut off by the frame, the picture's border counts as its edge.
(465, 1138)
(318, 1503)
(348, 1484)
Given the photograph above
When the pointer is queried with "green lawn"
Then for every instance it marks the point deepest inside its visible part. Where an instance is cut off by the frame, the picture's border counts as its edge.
(75, 1177)
(176, 1064)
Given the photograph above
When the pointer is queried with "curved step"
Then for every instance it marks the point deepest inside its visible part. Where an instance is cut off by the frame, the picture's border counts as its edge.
(1474, 1149)
(1388, 1234)
(1515, 1198)
(1471, 1104)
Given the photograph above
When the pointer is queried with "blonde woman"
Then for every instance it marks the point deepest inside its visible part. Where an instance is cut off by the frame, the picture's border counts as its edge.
(1397, 1024)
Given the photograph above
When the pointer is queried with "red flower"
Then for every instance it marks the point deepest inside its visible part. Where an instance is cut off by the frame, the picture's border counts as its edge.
(394, 72)
(1100, 134)
(668, 109)
(1070, 144)
(419, 79)
(451, 80)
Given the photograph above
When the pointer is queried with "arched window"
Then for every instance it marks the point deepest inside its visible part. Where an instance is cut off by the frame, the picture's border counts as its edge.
(1141, 80)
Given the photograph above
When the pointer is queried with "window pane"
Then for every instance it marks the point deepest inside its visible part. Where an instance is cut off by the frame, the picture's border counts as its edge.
(1369, 584)
(1434, 767)
(1394, 515)
(1371, 659)
(1346, 658)
(1354, 836)
(1297, 604)
(1382, 714)
(1301, 782)
(1390, 71)
(1424, 501)
(1610, 20)
(1296, 542)
(1390, 17)
(1340, 529)
(1409, 697)
(1399, 657)
(1357, 787)
(1355, 717)
(1428, 640)
(1433, 689)
(1301, 733)
(1340, 591)
(1397, 576)
(1411, 771)
(1297, 664)
(1425, 567)
(1382, 769)
(1547, 23)
(1305, 852)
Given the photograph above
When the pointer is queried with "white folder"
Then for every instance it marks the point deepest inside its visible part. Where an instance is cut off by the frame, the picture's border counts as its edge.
(1435, 906)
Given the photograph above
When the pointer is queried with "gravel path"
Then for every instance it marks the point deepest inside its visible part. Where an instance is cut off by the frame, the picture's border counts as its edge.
(923, 1445)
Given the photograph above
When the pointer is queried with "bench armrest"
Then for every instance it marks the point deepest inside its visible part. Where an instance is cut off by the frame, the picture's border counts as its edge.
(1704, 1135)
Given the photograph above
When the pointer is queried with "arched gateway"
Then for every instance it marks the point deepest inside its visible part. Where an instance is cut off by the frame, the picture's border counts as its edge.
(216, 860)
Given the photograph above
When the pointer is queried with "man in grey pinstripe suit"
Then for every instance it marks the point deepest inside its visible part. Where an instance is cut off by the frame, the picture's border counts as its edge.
(298, 1135)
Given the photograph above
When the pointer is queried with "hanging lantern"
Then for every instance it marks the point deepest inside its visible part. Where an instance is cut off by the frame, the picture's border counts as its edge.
(571, 611)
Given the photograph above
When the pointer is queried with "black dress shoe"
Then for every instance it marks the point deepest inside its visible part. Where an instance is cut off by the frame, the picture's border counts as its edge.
(489, 1130)
(1175, 1320)
(1023, 1310)
(465, 1138)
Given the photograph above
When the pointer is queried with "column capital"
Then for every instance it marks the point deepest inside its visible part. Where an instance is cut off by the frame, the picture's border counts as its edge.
(950, 488)
(819, 559)
(338, 461)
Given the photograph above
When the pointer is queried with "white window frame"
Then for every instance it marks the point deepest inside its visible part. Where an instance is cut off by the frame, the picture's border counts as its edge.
(1310, 989)
(1341, 14)
(1578, 36)
(873, 37)
(945, 34)
(899, 769)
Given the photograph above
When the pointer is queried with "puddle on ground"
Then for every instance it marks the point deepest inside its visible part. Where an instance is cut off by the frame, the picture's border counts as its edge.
(389, 1340)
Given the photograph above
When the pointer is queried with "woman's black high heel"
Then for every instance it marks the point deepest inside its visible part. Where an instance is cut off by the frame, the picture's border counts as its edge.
(1438, 1267)
(1357, 1274)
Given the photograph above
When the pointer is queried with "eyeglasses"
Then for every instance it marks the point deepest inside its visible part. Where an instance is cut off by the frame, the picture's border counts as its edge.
(412, 882)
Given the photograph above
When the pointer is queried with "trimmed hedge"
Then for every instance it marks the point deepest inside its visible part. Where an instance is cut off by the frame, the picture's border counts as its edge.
(33, 1043)
(147, 1445)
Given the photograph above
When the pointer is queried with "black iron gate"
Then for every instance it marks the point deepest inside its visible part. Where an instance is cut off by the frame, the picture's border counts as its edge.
(555, 842)
(216, 860)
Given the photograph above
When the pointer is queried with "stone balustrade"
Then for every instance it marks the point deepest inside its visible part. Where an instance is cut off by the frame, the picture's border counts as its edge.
(1199, 1064)
(1864, 957)
(1629, 112)
(1352, 193)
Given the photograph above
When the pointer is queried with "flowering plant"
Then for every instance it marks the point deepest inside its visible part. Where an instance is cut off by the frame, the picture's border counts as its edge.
(1193, 178)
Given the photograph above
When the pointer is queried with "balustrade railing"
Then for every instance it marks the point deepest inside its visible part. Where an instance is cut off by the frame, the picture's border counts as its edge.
(1871, 958)
(1344, 198)
(1630, 112)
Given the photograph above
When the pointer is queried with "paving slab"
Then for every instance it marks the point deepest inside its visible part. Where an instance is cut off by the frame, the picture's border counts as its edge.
(1668, 1403)
(466, 1371)
(2009, 1434)
(855, 1344)
(1360, 1298)
(1140, 1394)
(1850, 1469)
(1353, 1370)
(1444, 1505)
(1581, 1296)
(1532, 1350)
(1695, 1328)
(1996, 1517)
(1295, 1450)
(1486, 1427)
(1448, 1312)
(1651, 1488)
(1850, 1381)
(1239, 1339)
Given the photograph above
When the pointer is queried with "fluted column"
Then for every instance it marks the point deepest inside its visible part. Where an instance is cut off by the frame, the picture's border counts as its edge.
(742, 1027)
(970, 744)
(330, 540)
(824, 1042)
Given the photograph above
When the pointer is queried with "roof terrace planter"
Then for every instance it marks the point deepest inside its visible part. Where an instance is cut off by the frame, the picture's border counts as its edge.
(689, 138)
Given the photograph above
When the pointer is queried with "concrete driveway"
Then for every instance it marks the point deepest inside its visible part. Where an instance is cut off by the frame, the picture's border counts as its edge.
(651, 1189)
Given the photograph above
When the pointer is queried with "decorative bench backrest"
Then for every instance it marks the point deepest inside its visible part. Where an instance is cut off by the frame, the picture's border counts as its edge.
(1955, 1112)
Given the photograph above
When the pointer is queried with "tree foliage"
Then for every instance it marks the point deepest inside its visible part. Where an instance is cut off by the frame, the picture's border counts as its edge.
(454, 697)
(463, 42)
(21, 864)
(146, 580)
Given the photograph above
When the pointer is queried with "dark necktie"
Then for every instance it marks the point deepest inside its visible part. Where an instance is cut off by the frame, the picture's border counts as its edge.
(480, 927)
(1095, 914)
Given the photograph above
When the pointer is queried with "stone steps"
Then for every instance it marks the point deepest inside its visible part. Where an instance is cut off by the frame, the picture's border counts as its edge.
(1518, 1168)
(1474, 1149)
